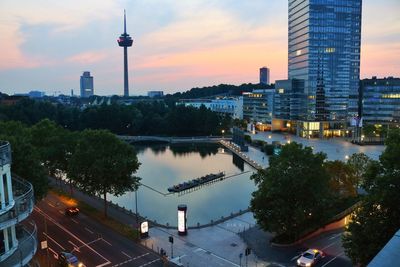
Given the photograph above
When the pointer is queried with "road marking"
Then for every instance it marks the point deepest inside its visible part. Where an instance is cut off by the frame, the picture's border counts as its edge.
(151, 262)
(334, 236)
(130, 260)
(53, 240)
(54, 253)
(91, 242)
(74, 236)
(198, 250)
(60, 211)
(295, 257)
(75, 221)
(75, 246)
(106, 241)
(90, 231)
(51, 205)
(126, 254)
(331, 244)
(333, 259)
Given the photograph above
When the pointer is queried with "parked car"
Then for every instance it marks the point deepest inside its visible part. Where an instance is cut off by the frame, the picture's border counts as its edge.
(310, 257)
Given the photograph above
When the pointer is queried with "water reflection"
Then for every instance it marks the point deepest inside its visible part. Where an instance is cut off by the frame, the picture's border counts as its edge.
(166, 165)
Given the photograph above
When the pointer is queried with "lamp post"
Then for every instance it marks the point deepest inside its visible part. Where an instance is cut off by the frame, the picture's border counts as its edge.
(222, 131)
(136, 212)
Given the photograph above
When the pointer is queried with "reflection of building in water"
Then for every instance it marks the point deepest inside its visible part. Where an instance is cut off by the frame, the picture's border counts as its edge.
(238, 161)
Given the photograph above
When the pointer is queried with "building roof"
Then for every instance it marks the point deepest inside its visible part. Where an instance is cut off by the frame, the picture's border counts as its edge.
(389, 254)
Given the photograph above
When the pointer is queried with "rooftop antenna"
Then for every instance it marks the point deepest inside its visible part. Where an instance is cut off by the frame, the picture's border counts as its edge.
(124, 21)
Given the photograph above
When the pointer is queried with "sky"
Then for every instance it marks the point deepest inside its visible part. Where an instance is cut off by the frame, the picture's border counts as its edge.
(45, 45)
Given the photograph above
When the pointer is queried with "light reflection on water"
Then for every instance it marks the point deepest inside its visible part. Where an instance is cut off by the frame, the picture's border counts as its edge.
(165, 165)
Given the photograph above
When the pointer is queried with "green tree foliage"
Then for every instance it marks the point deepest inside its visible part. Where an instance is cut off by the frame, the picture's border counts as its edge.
(376, 221)
(343, 181)
(359, 162)
(102, 164)
(292, 192)
(142, 118)
(26, 161)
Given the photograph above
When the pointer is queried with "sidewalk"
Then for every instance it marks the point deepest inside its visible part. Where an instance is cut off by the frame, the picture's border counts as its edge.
(218, 245)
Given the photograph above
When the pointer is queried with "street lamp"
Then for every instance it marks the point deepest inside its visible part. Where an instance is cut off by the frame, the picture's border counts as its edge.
(222, 131)
(346, 157)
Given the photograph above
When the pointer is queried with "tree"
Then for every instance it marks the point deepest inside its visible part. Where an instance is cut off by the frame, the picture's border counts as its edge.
(342, 179)
(26, 161)
(102, 164)
(292, 192)
(378, 218)
(359, 163)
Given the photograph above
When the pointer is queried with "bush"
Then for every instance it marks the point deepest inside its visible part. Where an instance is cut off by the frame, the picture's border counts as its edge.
(269, 149)
(247, 138)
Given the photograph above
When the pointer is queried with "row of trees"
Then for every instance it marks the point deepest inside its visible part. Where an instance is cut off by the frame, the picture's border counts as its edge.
(301, 190)
(96, 161)
(142, 118)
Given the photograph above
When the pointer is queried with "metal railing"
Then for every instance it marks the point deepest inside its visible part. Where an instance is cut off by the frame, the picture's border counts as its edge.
(5, 153)
(23, 203)
(26, 249)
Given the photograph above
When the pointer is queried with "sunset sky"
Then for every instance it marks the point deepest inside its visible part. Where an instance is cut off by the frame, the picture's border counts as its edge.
(45, 45)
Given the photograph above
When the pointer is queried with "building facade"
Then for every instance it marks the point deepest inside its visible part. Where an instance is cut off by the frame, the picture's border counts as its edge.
(324, 51)
(380, 101)
(227, 105)
(153, 94)
(86, 84)
(18, 238)
(264, 76)
(258, 107)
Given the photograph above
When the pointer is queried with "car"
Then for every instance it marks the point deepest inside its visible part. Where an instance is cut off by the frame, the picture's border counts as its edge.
(310, 257)
(71, 211)
(67, 259)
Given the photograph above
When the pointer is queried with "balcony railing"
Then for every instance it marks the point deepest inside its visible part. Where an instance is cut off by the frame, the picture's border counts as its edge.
(26, 249)
(23, 203)
(5, 153)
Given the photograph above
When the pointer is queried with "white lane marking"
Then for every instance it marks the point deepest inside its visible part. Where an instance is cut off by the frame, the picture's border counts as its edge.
(330, 245)
(334, 236)
(74, 236)
(91, 242)
(340, 254)
(51, 205)
(60, 211)
(75, 246)
(126, 254)
(54, 253)
(106, 241)
(75, 221)
(150, 262)
(49, 237)
(130, 260)
(198, 250)
(295, 257)
(90, 231)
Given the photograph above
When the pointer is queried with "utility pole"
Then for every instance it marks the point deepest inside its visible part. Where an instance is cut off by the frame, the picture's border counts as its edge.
(171, 240)
(136, 212)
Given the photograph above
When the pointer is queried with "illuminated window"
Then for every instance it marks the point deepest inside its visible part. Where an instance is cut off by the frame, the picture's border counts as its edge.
(298, 52)
(330, 50)
(281, 90)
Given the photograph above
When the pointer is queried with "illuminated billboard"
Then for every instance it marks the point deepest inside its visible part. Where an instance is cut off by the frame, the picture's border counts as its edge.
(182, 230)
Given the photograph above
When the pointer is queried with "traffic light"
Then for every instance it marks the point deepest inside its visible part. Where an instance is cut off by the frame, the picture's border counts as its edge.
(247, 252)
(171, 239)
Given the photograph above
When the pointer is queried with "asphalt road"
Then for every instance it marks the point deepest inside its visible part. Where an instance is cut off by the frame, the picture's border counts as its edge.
(91, 242)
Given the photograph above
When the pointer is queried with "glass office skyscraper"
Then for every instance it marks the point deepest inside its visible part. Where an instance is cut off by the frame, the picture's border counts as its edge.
(324, 51)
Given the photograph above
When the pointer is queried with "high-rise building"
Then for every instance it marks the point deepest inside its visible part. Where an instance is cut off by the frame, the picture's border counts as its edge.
(380, 101)
(87, 89)
(125, 41)
(324, 51)
(264, 75)
(18, 240)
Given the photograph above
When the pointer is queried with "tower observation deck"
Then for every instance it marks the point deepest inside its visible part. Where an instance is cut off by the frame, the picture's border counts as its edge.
(125, 41)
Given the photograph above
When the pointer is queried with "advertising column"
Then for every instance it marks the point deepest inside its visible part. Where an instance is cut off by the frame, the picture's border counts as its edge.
(182, 228)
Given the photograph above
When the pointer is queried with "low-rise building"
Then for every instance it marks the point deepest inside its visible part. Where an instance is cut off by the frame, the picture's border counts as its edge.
(153, 94)
(258, 108)
(227, 105)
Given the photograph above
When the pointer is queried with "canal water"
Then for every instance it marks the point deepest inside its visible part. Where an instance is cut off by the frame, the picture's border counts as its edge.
(165, 165)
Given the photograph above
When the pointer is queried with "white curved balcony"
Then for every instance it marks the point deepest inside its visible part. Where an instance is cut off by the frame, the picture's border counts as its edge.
(24, 249)
(23, 203)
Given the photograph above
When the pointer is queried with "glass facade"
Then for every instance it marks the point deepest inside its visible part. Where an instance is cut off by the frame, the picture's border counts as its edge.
(258, 106)
(324, 44)
(380, 101)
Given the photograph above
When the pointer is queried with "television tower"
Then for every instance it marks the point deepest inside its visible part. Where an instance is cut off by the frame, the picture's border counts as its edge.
(125, 41)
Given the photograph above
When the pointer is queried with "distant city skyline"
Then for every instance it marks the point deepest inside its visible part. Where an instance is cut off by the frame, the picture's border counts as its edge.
(178, 45)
